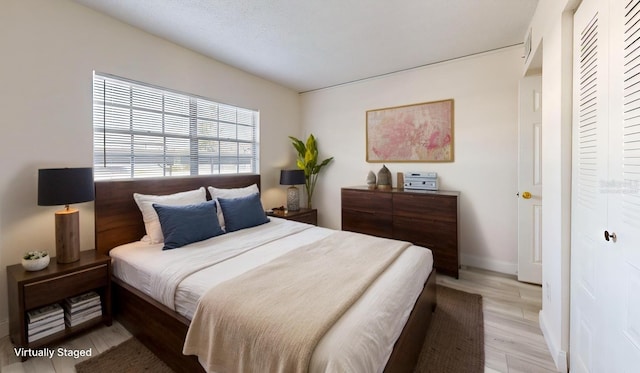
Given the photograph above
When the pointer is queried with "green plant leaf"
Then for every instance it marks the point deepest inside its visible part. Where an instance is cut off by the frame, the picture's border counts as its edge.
(311, 143)
(299, 146)
(325, 162)
(307, 160)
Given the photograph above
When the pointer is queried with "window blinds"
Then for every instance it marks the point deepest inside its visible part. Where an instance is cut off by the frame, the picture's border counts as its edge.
(145, 131)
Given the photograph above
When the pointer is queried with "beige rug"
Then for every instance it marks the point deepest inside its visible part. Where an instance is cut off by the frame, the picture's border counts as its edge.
(454, 342)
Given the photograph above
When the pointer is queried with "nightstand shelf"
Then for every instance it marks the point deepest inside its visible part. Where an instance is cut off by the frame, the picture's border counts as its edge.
(304, 215)
(32, 290)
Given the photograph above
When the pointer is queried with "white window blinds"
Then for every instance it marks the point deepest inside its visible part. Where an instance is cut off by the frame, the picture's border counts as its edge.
(145, 131)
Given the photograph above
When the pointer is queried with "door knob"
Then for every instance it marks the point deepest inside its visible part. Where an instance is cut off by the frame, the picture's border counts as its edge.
(526, 195)
(610, 236)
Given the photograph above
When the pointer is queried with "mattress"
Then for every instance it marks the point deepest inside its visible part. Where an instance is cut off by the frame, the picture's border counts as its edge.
(361, 340)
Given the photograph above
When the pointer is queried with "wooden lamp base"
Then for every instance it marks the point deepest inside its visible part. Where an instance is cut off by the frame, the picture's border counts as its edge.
(67, 236)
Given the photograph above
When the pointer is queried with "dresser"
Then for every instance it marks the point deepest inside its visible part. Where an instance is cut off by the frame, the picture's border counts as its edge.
(424, 218)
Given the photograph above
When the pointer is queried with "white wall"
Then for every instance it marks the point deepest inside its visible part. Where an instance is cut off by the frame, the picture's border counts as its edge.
(49, 50)
(485, 93)
(552, 28)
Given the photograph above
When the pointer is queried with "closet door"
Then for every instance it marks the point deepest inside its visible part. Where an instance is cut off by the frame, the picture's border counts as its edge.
(623, 188)
(605, 249)
(589, 169)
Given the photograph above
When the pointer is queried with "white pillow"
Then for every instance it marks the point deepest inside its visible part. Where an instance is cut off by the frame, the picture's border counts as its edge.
(228, 194)
(150, 216)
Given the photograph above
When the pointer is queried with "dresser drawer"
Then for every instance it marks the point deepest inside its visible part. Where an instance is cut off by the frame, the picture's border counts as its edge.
(425, 206)
(431, 234)
(54, 289)
(365, 200)
(438, 236)
(375, 224)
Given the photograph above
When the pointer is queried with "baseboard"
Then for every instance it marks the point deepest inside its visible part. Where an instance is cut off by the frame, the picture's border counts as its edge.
(489, 264)
(559, 356)
(4, 328)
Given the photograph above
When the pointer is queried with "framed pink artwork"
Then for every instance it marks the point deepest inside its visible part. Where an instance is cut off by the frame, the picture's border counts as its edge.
(411, 133)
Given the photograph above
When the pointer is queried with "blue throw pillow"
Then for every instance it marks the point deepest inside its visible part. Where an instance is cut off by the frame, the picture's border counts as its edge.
(182, 225)
(242, 212)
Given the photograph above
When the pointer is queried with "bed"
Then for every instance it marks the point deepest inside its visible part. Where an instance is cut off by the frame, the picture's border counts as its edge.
(163, 329)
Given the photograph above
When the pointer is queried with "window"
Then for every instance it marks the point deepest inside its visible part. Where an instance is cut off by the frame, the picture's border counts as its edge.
(145, 131)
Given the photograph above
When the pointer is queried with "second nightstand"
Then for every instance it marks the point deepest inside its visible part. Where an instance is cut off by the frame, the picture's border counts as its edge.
(32, 290)
(309, 216)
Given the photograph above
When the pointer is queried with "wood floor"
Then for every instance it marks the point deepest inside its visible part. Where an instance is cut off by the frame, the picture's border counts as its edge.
(513, 340)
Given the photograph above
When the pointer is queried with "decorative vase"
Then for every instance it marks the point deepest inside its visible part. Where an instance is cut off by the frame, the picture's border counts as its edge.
(35, 264)
(309, 195)
(371, 180)
(384, 178)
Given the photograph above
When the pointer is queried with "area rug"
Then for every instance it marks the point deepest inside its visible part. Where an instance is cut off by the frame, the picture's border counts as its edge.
(454, 342)
(455, 339)
(128, 357)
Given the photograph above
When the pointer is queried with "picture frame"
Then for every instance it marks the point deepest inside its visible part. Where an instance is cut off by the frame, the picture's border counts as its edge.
(420, 132)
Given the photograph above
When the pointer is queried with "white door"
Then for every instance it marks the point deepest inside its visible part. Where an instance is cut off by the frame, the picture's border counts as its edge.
(530, 180)
(605, 219)
(589, 169)
(622, 250)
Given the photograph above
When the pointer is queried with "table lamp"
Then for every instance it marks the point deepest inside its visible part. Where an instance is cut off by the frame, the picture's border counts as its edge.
(64, 186)
(292, 178)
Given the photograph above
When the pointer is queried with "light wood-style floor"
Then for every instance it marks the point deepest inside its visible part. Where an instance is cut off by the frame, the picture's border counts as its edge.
(513, 340)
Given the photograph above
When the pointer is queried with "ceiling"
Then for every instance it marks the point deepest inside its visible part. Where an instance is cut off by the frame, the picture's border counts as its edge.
(313, 44)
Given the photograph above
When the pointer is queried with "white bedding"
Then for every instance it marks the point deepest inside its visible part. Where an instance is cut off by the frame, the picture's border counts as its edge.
(362, 340)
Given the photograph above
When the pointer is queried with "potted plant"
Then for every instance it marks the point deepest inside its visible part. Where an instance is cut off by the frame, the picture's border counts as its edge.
(35, 260)
(308, 161)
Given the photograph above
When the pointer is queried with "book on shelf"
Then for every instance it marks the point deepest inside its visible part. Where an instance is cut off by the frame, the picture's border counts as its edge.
(36, 328)
(47, 320)
(83, 299)
(44, 321)
(75, 320)
(83, 312)
(82, 307)
(79, 308)
(46, 332)
(40, 328)
(42, 313)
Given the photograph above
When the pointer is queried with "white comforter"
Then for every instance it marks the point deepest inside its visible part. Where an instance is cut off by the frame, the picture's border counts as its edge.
(361, 341)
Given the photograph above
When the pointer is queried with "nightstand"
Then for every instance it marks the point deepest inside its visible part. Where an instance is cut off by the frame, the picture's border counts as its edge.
(32, 290)
(309, 216)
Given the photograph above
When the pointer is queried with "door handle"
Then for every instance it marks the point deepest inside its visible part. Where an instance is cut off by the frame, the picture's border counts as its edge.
(610, 236)
(526, 195)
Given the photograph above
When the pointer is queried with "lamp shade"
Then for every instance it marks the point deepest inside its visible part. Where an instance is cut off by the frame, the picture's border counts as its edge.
(291, 177)
(64, 186)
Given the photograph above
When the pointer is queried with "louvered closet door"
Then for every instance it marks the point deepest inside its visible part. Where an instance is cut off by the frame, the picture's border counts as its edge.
(623, 188)
(589, 165)
(605, 250)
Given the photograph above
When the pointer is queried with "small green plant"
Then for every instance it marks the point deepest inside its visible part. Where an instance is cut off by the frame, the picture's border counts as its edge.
(33, 255)
(308, 161)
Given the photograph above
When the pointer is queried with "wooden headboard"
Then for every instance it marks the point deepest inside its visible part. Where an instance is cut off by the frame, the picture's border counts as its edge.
(117, 217)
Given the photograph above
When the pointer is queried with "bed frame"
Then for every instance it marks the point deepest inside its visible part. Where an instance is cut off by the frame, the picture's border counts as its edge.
(118, 220)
